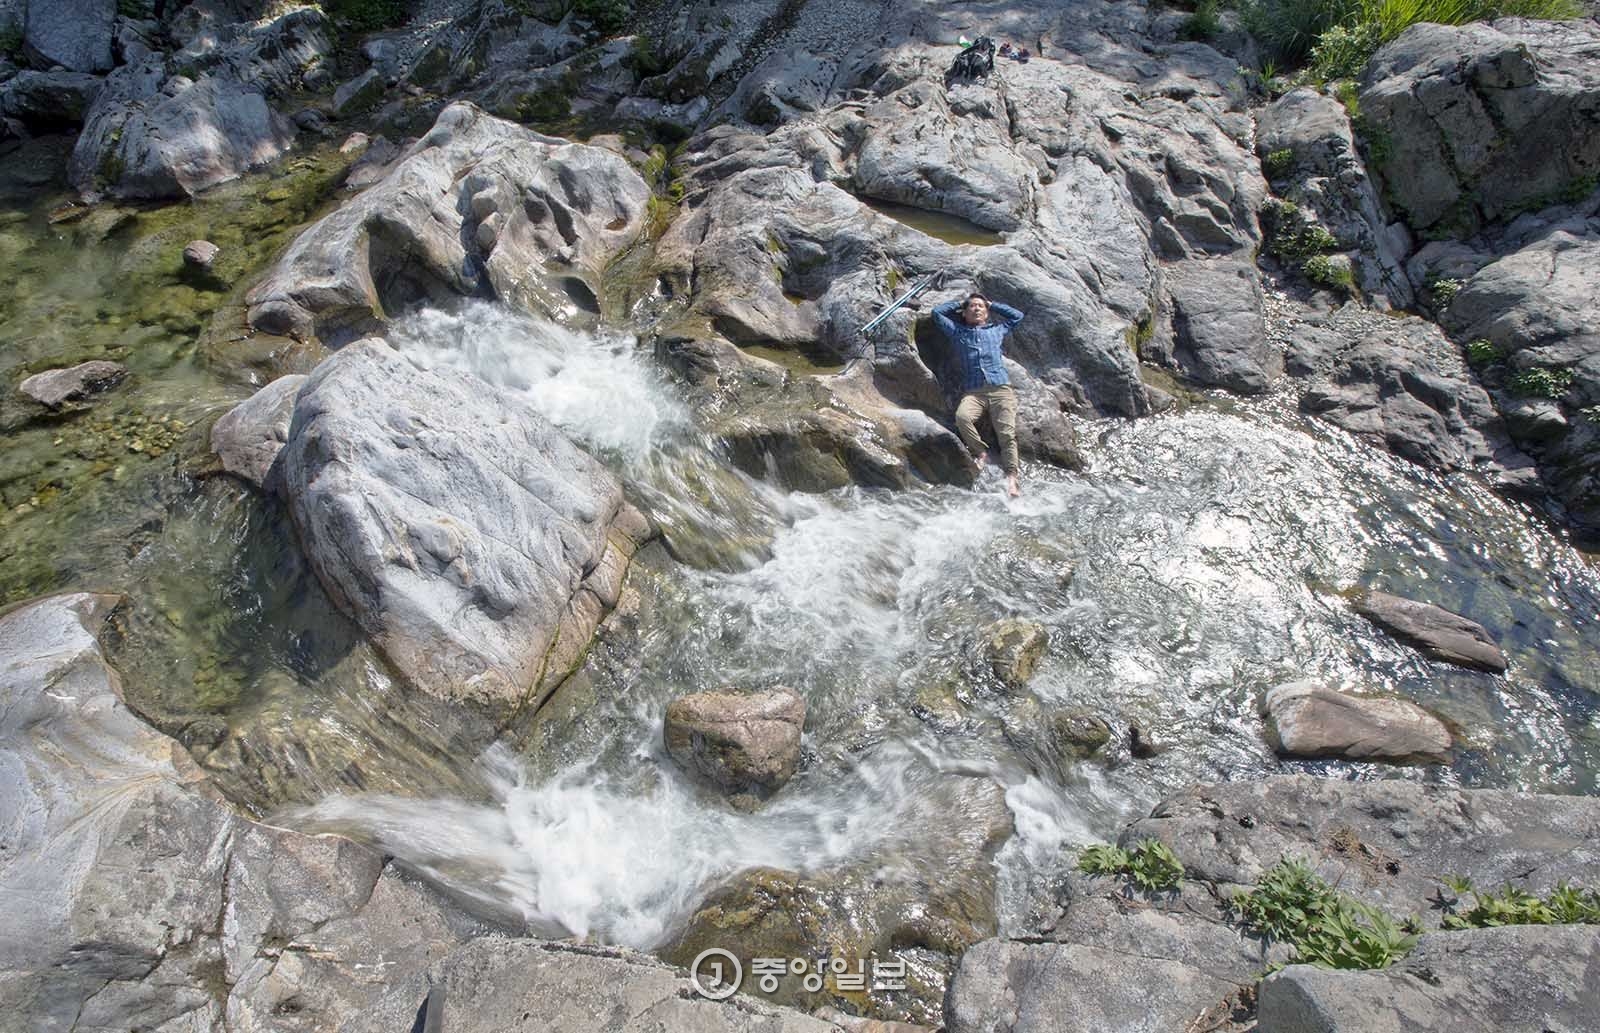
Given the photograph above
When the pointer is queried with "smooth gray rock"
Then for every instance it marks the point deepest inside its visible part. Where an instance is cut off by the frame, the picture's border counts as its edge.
(475, 544)
(229, 924)
(55, 388)
(1513, 979)
(1387, 843)
(497, 985)
(1304, 719)
(560, 211)
(1482, 119)
(1218, 334)
(248, 437)
(1437, 632)
(742, 742)
(75, 34)
(199, 254)
(1004, 986)
(49, 100)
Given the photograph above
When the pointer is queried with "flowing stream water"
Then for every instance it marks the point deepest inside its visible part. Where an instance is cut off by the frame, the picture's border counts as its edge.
(1201, 560)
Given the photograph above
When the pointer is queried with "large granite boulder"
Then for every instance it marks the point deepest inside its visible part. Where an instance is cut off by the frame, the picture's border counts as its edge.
(1304, 719)
(743, 742)
(1512, 979)
(1482, 120)
(173, 125)
(140, 899)
(475, 544)
(1388, 843)
(478, 205)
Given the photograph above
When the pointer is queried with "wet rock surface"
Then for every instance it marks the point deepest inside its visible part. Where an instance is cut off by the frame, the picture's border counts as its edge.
(248, 437)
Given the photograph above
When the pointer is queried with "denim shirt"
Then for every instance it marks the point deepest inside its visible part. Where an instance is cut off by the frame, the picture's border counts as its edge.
(977, 348)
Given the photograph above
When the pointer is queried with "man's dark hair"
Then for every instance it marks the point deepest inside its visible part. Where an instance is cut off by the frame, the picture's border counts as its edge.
(981, 297)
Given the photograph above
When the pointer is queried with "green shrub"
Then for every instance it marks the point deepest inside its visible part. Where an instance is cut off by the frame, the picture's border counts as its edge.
(1151, 865)
(366, 15)
(1542, 383)
(1482, 352)
(1566, 905)
(1291, 904)
(1203, 24)
(1292, 236)
(1444, 289)
(1278, 163)
(1291, 30)
(1343, 51)
(1323, 271)
(10, 41)
(1591, 413)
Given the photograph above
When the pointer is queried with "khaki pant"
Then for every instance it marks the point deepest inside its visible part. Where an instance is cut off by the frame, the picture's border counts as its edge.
(1000, 402)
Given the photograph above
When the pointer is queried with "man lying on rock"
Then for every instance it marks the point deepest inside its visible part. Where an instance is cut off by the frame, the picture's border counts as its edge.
(975, 327)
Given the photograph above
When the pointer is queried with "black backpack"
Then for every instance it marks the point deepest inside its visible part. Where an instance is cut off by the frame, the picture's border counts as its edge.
(974, 64)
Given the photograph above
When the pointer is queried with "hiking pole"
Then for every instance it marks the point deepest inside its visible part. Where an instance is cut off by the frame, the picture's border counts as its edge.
(916, 288)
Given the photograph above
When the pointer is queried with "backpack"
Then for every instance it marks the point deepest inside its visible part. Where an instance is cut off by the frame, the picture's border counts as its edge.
(974, 64)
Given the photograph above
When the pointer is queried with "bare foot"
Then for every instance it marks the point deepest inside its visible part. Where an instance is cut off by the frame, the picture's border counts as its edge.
(1012, 487)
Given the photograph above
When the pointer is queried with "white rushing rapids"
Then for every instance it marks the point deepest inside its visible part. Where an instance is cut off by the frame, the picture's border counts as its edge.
(1198, 563)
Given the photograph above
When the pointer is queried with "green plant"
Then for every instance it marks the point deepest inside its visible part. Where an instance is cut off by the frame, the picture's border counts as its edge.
(1343, 51)
(1566, 905)
(1591, 413)
(1104, 859)
(1203, 24)
(1278, 163)
(11, 40)
(1292, 236)
(1539, 382)
(1292, 904)
(1444, 289)
(1482, 352)
(1325, 271)
(1151, 865)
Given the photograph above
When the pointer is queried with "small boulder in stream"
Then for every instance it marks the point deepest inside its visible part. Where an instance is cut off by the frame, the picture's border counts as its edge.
(1013, 648)
(248, 437)
(1435, 631)
(742, 742)
(55, 388)
(1304, 719)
